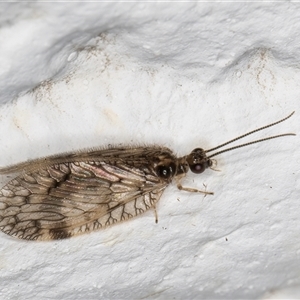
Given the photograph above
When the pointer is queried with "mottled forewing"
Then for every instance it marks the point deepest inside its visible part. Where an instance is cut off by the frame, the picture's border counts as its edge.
(66, 199)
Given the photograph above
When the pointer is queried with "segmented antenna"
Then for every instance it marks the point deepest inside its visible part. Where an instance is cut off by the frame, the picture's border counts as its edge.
(253, 142)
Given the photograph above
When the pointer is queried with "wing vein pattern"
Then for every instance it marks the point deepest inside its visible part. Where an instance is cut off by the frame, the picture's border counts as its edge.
(66, 199)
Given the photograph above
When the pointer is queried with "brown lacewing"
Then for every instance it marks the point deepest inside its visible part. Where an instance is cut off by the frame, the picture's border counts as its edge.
(65, 195)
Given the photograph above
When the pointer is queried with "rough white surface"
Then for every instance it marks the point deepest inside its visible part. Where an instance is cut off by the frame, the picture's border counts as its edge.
(181, 75)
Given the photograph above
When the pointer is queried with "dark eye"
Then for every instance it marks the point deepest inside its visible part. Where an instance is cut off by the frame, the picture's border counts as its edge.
(165, 172)
(198, 168)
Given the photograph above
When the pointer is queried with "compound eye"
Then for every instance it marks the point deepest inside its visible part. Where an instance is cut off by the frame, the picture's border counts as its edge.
(198, 168)
(166, 172)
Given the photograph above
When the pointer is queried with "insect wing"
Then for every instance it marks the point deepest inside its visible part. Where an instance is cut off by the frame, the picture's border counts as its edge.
(66, 199)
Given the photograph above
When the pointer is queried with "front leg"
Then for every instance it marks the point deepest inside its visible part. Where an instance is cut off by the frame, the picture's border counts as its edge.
(182, 188)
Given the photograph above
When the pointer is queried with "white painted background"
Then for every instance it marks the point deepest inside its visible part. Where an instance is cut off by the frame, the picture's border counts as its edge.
(181, 75)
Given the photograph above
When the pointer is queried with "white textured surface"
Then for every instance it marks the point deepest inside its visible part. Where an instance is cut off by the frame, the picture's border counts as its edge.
(182, 75)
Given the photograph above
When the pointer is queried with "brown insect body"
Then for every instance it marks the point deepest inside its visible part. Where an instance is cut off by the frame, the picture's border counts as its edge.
(66, 195)
(56, 199)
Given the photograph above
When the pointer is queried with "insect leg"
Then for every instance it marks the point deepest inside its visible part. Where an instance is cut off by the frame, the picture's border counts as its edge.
(155, 213)
(192, 190)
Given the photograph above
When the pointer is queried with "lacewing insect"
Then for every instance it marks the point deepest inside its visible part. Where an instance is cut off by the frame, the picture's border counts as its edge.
(65, 195)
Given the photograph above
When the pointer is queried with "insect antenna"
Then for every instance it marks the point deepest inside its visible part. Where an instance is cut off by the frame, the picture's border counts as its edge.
(253, 142)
